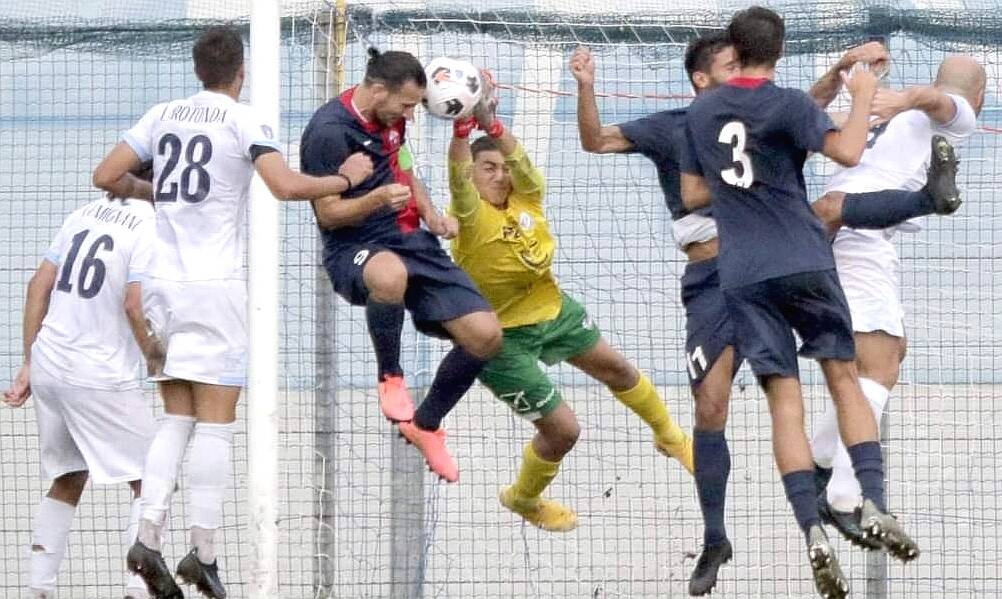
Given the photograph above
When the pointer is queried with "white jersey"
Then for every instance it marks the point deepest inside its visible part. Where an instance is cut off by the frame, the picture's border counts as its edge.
(203, 150)
(897, 154)
(85, 336)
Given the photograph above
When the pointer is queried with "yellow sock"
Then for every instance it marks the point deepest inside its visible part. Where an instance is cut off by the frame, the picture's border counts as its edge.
(644, 401)
(535, 475)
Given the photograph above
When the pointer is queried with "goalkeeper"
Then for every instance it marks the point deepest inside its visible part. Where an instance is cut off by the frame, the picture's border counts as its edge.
(505, 245)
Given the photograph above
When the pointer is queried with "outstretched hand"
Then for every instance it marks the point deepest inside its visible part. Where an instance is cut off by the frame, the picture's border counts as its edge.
(486, 109)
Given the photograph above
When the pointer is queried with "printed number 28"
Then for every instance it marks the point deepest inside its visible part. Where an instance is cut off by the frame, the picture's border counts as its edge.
(739, 175)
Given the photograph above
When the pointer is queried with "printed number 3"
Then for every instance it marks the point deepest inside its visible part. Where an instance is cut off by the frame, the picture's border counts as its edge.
(740, 175)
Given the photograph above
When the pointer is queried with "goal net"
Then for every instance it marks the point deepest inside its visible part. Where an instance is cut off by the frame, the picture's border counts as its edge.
(359, 515)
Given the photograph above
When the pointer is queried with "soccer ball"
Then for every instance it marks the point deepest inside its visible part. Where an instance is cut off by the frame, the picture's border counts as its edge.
(454, 88)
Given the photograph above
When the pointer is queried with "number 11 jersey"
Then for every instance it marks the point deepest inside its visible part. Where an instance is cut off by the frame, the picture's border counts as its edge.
(749, 140)
(203, 150)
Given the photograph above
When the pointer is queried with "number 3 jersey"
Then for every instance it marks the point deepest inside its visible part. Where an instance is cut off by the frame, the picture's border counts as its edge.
(749, 140)
(203, 150)
(85, 335)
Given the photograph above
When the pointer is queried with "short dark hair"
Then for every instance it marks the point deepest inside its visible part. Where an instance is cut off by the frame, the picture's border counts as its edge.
(757, 35)
(700, 52)
(484, 143)
(218, 56)
(394, 69)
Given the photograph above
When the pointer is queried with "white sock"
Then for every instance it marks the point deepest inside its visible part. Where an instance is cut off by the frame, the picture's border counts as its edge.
(826, 439)
(163, 462)
(207, 481)
(134, 586)
(48, 542)
(843, 490)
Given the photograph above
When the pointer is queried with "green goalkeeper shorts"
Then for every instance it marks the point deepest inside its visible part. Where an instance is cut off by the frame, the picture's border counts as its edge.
(514, 375)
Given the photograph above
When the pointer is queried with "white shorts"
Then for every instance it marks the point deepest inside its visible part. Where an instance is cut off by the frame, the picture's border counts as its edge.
(104, 432)
(867, 264)
(203, 326)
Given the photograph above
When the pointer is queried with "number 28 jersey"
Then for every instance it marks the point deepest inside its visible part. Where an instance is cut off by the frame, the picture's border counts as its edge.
(203, 150)
(749, 140)
(85, 335)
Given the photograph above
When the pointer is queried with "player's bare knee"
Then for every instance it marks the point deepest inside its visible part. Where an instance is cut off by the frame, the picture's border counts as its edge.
(69, 487)
(386, 278)
(561, 439)
(486, 338)
(621, 375)
(711, 409)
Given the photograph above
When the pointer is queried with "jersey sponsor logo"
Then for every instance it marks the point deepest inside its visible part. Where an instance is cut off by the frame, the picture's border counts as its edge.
(360, 257)
(267, 131)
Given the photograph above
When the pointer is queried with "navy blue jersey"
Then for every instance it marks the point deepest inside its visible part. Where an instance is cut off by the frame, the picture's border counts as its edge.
(749, 140)
(335, 132)
(660, 137)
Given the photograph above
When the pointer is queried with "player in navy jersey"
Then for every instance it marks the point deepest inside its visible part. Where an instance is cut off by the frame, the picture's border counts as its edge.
(378, 256)
(749, 139)
(709, 61)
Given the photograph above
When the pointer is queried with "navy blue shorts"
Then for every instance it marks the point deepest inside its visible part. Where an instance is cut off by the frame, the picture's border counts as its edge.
(708, 326)
(437, 289)
(765, 314)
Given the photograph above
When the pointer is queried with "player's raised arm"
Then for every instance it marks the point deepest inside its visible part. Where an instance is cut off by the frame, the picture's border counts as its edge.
(334, 212)
(874, 54)
(959, 78)
(287, 184)
(115, 174)
(846, 146)
(595, 137)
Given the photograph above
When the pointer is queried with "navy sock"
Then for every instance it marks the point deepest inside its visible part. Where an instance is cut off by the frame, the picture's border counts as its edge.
(713, 466)
(882, 209)
(455, 375)
(821, 478)
(800, 490)
(868, 463)
(385, 321)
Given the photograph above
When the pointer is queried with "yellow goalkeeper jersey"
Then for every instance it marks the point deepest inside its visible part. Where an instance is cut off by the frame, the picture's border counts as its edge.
(508, 253)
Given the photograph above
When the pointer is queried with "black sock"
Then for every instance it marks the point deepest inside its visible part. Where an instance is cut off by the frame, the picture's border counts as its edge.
(713, 465)
(386, 321)
(800, 491)
(882, 209)
(455, 375)
(868, 463)
(821, 478)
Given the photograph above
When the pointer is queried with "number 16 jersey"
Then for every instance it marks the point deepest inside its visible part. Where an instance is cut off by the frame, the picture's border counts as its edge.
(85, 336)
(749, 139)
(203, 150)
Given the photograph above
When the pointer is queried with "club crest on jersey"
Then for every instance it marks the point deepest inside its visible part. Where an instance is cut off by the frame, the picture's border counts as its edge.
(393, 138)
(267, 131)
(526, 221)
